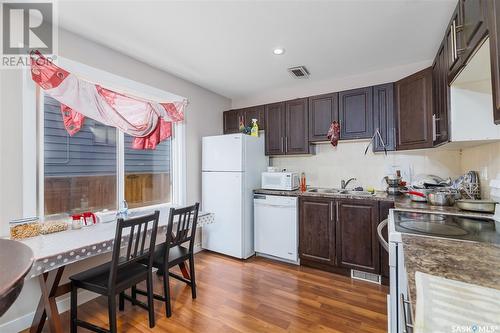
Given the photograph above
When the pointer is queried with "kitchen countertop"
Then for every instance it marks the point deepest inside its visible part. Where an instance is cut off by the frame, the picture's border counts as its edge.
(379, 195)
(465, 261)
(406, 204)
(401, 202)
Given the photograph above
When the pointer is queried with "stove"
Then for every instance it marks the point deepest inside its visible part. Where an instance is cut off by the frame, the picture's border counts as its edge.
(446, 226)
(457, 227)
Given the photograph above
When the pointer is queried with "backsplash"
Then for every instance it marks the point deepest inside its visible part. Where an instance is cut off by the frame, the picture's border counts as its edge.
(485, 159)
(330, 165)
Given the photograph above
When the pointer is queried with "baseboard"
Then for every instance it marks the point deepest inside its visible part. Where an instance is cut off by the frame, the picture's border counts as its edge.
(63, 305)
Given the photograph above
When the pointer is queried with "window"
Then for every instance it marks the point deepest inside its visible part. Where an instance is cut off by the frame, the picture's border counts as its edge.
(82, 172)
(147, 174)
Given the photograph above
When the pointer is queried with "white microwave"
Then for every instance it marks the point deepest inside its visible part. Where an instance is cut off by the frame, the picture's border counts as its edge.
(285, 181)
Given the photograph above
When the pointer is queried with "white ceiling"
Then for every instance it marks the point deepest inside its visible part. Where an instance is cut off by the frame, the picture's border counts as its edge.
(227, 46)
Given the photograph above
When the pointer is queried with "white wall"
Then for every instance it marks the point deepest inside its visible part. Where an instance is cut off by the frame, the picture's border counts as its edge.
(10, 147)
(330, 165)
(203, 117)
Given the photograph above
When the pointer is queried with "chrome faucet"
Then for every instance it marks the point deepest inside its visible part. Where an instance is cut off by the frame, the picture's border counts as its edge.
(344, 183)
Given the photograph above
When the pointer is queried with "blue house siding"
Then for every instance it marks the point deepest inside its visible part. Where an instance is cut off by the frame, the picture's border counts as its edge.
(80, 155)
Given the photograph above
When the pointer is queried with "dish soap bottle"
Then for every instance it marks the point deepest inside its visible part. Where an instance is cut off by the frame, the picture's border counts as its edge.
(255, 128)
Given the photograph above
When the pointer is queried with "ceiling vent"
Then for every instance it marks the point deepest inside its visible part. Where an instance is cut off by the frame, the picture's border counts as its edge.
(299, 72)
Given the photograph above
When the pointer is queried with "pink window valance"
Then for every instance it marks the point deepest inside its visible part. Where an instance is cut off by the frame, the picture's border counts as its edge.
(149, 122)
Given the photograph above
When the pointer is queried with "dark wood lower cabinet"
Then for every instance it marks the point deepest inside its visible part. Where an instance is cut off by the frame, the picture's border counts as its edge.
(317, 230)
(338, 235)
(384, 208)
(356, 235)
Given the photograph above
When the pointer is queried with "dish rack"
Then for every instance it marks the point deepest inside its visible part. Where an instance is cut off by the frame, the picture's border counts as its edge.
(471, 190)
(468, 185)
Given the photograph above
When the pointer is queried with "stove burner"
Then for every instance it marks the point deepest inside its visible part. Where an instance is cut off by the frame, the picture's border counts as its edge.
(409, 216)
(433, 228)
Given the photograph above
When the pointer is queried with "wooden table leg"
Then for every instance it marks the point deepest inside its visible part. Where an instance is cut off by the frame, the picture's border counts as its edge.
(184, 270)
(47, 307)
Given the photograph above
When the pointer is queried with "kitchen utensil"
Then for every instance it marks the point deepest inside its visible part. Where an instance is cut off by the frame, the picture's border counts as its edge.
(441, 198)
(86, 218)
(77, 221)
(393, 184)
(484, 206)
(417, 196)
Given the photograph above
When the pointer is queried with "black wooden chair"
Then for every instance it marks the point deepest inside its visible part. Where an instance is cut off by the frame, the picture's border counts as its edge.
(122, 272)
(171, 253)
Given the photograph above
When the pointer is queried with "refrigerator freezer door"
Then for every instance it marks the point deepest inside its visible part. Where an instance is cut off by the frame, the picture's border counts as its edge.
(223, 153)
(222, 194)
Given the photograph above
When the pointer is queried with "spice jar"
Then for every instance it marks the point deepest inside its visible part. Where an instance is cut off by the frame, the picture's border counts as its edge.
(24, 228)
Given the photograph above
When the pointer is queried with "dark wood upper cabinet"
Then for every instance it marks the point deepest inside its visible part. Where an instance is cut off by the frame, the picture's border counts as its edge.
(414, 111)
(275, 133)
(317, 230)
(356, 113)
(296, 129)
(231, 118)
(356, 235)
(474, 24)
(255, 112)
(454, 44)
(494, 30)
(231, 121)
(383, 117)
(441, 97)
(323, 110)
(286, 128)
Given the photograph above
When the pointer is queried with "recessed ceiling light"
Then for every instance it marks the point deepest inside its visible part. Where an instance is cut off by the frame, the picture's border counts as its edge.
(278, 51)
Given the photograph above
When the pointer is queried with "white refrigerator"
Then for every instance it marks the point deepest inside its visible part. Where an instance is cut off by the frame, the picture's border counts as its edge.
(231, 169)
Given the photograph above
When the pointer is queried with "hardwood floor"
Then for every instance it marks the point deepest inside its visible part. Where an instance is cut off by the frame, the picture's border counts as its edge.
(256, 295)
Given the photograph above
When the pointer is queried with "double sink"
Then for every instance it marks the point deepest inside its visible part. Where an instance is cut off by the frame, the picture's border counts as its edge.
(338, 191)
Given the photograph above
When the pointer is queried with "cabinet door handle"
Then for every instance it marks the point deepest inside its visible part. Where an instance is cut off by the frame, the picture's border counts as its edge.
(454, 40)
(282, 144)
(286, 144)
(434, 134)
(331, 211)
(337, 211)
(408, 327)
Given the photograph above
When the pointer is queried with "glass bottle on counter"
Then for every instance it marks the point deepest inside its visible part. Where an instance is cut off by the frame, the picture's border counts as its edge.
(303, 186)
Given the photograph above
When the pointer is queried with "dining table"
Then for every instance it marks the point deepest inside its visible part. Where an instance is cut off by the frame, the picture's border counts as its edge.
(52, 253)
(16, 260)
